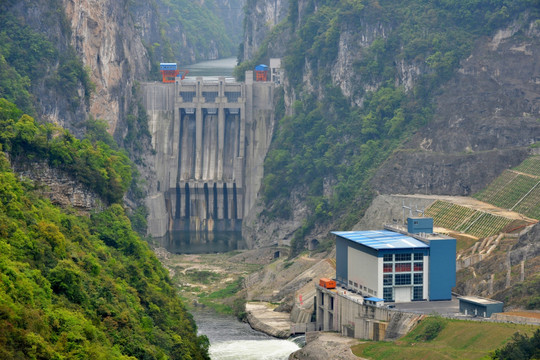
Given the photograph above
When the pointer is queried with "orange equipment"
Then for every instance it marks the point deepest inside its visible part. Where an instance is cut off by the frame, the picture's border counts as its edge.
(327, 283)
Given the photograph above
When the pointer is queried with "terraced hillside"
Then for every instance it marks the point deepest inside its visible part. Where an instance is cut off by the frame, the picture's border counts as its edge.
(517, 189)
(478, 223)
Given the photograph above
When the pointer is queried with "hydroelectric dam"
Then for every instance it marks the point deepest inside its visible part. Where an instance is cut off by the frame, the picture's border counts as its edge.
(209, 140)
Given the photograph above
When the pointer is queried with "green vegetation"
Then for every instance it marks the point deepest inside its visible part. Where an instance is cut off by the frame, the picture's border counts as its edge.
(520, 348)
(516, 189)
(474, 222)
(431, 328)
(439, 338)
(329, 149)
(75, 286)
(225, 300)
(524, 294)
(106, 171)
(28, 58)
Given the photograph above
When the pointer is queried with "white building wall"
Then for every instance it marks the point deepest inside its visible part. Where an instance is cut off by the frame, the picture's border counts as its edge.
(426, 277)
(362, 269)
(380, 277)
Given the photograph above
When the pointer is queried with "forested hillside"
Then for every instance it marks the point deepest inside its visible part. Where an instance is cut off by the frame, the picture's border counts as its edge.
(74, 286)
(361, 78)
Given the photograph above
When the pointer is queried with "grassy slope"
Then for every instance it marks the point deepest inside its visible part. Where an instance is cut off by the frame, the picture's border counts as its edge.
(457, 340)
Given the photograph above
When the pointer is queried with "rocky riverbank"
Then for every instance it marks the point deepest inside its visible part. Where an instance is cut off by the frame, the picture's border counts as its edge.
(324, 346)
(263, 317)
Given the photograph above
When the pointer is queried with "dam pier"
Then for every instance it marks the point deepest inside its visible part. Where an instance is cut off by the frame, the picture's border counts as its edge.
(210, 137)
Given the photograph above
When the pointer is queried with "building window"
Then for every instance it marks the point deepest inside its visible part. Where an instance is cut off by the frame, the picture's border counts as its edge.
(403, 267)
(355, 284)
(418, 256)
(403, 257)
(418, 266)
(388, 257)
(350, 282)
(418, 279)
(402, 279)
(387, 279)
(418, 293)
(387, 268)
(388, 294)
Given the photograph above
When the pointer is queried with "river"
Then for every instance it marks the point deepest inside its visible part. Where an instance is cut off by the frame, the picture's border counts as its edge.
(231, 339)
(212, 68)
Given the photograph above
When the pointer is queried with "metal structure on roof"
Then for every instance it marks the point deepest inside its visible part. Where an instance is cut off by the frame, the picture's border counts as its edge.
(382, 239)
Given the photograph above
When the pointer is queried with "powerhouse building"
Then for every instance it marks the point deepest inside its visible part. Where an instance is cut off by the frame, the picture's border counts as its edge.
(397, 264)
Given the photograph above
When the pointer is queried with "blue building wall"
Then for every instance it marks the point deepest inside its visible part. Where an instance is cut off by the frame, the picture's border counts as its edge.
(342, 262)
(442, 268)
(167, 66)
(418, 225)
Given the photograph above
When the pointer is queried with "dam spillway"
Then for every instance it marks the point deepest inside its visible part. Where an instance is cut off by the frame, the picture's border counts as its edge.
(209, 138)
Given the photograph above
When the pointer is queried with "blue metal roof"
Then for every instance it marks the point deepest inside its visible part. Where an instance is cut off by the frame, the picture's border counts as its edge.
(382, 239)
(375, 299)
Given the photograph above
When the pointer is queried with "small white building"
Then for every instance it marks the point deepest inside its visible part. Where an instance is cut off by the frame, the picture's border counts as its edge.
(276, 73)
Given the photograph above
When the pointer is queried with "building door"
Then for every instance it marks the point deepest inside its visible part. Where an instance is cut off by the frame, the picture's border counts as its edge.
(402, 294)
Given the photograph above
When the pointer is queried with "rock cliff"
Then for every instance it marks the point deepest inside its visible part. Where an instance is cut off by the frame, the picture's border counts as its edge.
(119, 43)
(110, 46)
(57, 185)
(485, 120)
(261, 16)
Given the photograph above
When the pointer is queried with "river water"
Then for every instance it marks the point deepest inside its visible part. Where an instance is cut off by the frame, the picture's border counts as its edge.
(231, 339)
(212, 68)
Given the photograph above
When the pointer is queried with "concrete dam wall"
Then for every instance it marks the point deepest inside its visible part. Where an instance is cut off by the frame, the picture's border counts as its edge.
(210, 138)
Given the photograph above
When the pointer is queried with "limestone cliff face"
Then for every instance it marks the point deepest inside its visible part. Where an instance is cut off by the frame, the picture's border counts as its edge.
(509, 274)
(485, 120)
(261, 17)
(106, 39)
(55, 184)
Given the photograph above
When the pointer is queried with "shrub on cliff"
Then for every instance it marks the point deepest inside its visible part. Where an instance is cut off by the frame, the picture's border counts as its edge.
(106, 171)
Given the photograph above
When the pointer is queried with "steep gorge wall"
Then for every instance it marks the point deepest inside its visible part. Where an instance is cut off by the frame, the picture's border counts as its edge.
(484, 121)
(486, 118)
(118, 43)
(105, 37)
(261, 17)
